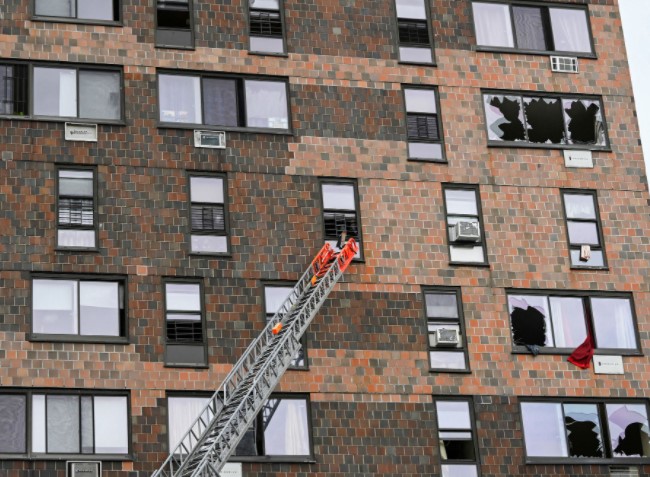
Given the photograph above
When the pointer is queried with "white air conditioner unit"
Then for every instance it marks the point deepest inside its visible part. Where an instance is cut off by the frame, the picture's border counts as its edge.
(444, 337)
(465, 231)
(210, 139)
(564, 64)
(84, 469)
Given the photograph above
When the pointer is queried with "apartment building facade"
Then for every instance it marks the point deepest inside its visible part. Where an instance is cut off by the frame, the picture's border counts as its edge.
(169, 169)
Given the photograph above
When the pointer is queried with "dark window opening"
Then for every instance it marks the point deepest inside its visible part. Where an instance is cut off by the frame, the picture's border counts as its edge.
(174, 23)
(266, 23)
(184, 328)
(413, 33)
(544, 120)
(14, 90)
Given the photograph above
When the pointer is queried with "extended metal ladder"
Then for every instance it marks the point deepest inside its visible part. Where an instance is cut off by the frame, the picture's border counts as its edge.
(214, 435)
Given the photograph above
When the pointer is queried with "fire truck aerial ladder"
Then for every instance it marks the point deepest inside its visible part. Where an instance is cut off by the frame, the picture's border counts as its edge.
(214, 435)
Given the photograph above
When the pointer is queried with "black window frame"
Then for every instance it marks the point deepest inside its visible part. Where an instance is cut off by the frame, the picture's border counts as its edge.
(241, 102)
(602, 414)
(29, 85)
(226, 233)
(548, 95)
(117, 12)
(547, 28)
(268, 316)
(283, 36)
(477, 192)
(599, 227)
(95, 227)
(164, 35)
(122, 282)
(343, 181)
(441, 136)
(401, 21)
(204, 338)
(460, 321)
(31, 455)
(473, 431)
(585, 296)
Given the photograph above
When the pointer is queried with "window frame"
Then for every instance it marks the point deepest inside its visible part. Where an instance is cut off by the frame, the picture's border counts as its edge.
(166, 311)
(457, 292)
(429, 23)
(585, 296)
(441, 141)
(211, 175)
(548, 28)
(117, 8)
(68, 338)
(73, 167)
(303, 339)
(473, 430)
(550, 95)
(241, 99)
(476, 189)
(30, 116)
(284, 52)
(601, 403)
(161, 44)
(343, 181)
(31, 455)
(599, 227)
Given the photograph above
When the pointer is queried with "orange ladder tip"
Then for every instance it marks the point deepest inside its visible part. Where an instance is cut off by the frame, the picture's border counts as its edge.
(276, 329)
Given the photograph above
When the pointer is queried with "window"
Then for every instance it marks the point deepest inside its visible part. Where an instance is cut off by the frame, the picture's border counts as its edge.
(79, 309)
(223, 102)
(64, 423)
(423, 124)
(526, 120)
(274, 297)
(340, 212)
(447, 342)
(281, 430)
(415, 40)
(464, 230)
(174, 23)
(266, 31)
(559, 321)
(457, 437)
(185, 330)
(573, 429)
(76, 208)
(533, 28)
(209, 228)
(102, 10)
(583, 229)
(61, 92)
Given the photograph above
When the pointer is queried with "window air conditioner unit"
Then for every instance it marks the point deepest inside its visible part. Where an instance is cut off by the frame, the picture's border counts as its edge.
(84, 469)
(465, 231)
(564, 64)
(444, 337)
(210, 139)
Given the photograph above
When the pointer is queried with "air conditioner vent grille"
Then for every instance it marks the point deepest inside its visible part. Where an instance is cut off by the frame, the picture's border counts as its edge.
(564, 64)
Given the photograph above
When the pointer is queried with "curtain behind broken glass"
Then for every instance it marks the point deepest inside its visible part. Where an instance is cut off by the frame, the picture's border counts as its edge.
(584, 121)
(505, 118)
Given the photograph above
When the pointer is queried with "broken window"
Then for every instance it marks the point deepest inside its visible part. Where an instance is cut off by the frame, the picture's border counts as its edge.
(266, 30)
(464, 224)
(274, 297)
(544, 119)
(537, 28)
(561, 321)
(209, 229)
(174, 23)
(580, 430)
(447, 343)
(457, 439)
(415, 43)
(340, 213)
(423, 124)
(583, 229)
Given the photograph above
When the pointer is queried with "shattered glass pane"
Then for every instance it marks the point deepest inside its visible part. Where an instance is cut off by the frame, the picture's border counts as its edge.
(529, 28)
(628, 430)
(584, 121)
(583, 430)
(530, 320)
(504, 116)
(544, 122)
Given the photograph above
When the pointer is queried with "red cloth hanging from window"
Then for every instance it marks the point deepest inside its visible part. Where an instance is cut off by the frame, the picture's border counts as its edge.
(582, 355)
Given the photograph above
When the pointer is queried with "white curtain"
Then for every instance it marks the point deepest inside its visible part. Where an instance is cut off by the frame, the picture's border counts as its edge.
(493, 25)
(111, 425)
(56, 8)
(266, 104)
(570, 31)
(613, 323)
(182, 413)
(287, 432)
(569, 325)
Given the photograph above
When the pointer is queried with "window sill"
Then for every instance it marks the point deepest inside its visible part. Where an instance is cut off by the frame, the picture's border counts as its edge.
(76, 250)
(434, 161)
(470, 264)
(64, 457)
(210, 254)
(279, 132)
(42, 337)
(450, 371)
(186, 366)
(526, 145)
(587, 461)
(568, 351)
(268, 53)
(50, 119)
(175, 47)
(490, 49)
(274, 459)
(298, 368)
(601, 269)
(77, 21)
(416, 63)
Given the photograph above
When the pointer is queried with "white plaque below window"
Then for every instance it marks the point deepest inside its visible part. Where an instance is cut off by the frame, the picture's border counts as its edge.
(578, 158)
(231, 470)
(210, 139)
(80, 132)
(604, 364)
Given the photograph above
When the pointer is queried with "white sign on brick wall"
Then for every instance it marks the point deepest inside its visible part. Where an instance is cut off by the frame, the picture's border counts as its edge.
(578, 158)
(231, 470)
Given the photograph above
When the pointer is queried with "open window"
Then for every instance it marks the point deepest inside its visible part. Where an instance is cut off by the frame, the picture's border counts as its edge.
(174, 24)
(266, 26)
(457, 437)
(340, 213)
(185, 342)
